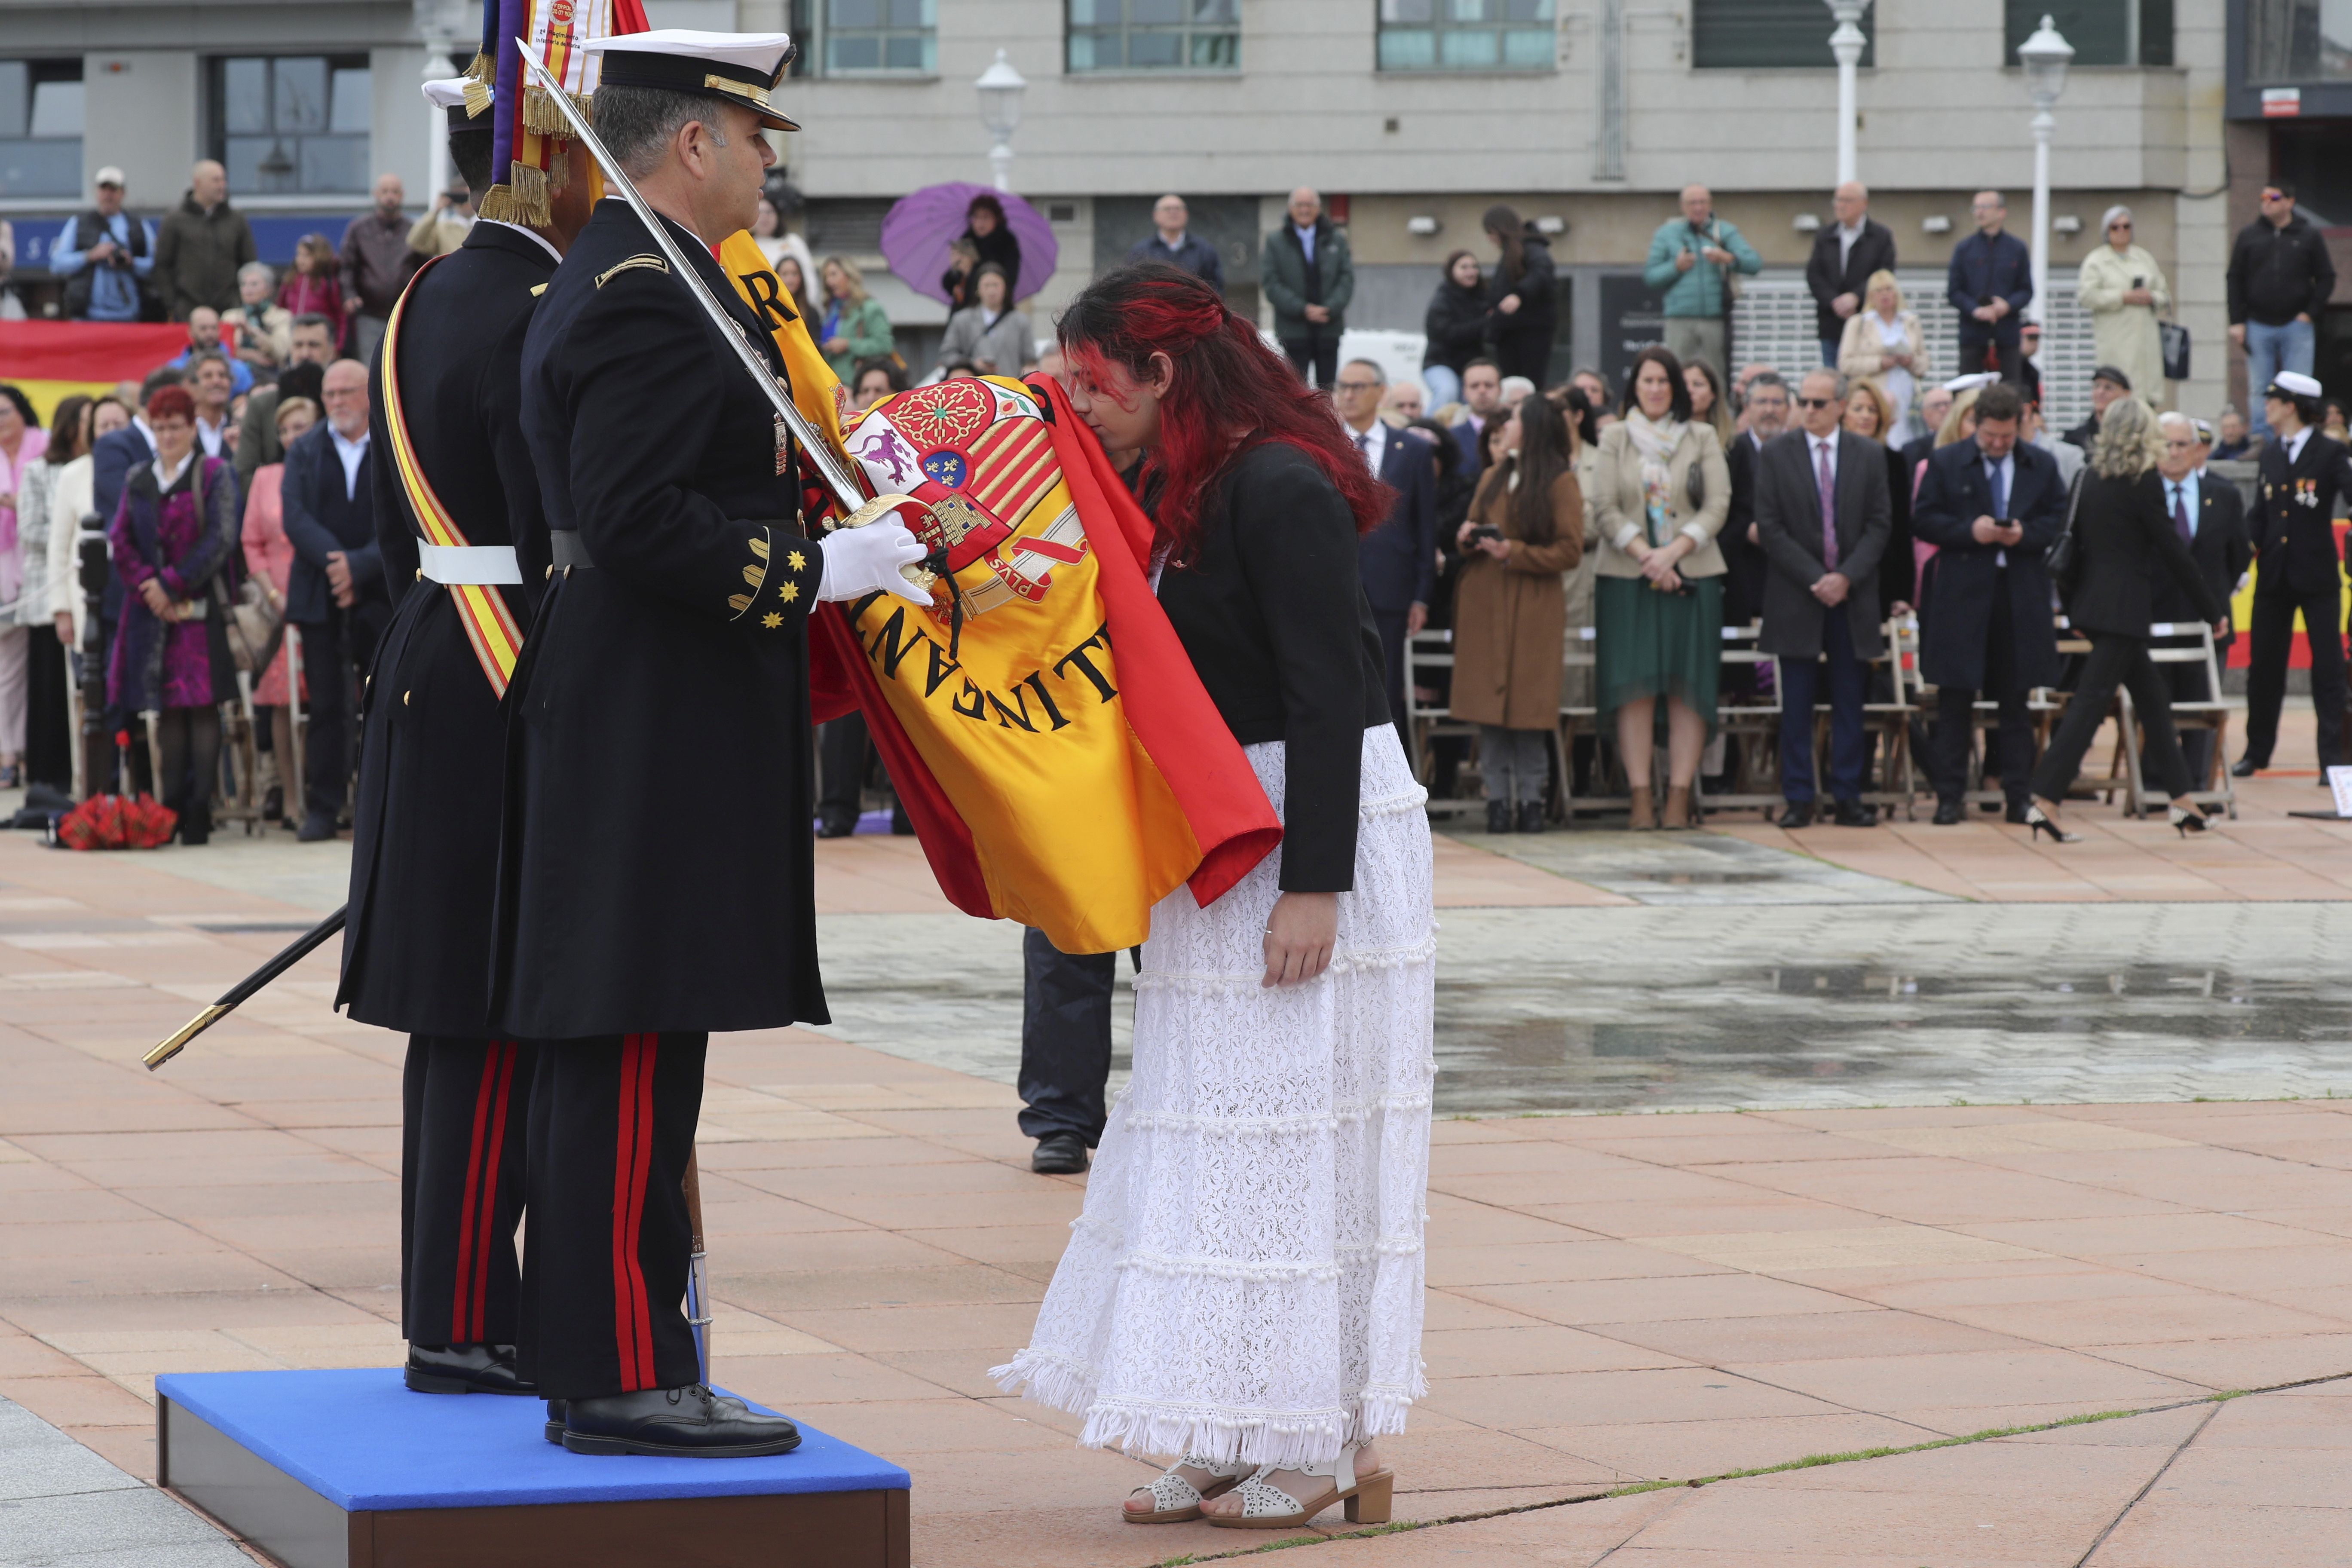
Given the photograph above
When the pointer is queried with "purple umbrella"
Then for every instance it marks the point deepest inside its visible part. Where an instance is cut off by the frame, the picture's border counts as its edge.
(921, 224)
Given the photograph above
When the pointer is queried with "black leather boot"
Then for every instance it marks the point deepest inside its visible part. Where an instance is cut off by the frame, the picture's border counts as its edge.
(1499, 817)
(1531, 817)
(689, 1423)
(555, 1408)
(464, 1368)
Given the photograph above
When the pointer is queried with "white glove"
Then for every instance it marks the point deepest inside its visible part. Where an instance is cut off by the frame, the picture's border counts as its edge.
(862, 561)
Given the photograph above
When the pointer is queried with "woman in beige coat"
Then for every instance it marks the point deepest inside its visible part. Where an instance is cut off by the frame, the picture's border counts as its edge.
(2123, 289)
(1664, 491)
(1526, 528)
(1883, 344)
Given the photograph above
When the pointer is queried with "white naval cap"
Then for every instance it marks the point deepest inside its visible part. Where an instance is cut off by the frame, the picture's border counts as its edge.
(2294, 383)
(1961, 383)
(449, 93)
(742, 68)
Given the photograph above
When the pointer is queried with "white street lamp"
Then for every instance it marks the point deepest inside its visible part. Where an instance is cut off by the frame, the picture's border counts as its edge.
(1001, 87)
(440, 23)
(2044, 58)
(1847, 44)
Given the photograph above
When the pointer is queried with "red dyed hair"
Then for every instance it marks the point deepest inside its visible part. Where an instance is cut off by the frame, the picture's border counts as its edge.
(1227, 384)
(169, 401)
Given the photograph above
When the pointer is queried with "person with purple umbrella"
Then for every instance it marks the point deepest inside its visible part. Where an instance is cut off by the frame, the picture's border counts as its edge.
(991, 239)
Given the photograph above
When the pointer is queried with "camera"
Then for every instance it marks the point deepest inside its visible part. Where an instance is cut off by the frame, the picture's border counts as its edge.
(1486, 531)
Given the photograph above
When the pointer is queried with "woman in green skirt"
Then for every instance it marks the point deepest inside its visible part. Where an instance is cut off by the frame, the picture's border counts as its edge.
(1661, 491)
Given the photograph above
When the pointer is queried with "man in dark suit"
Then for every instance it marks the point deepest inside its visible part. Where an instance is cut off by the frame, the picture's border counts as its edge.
(2210, 515)
(1844, 256)
(1745, 566)
(1991, 283)
(1824, 515)
(1992, 506)
(424, 841)
(1398, 560)
(1482, 400)
(2303, 476)
(336, 592)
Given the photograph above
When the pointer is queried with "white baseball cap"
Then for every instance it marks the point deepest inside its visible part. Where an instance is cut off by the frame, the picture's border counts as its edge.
(111, 175)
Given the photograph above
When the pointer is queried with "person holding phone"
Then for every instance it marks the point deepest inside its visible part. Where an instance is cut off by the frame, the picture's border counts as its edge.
(2124, 289)
(1694, 261)
(446, 227)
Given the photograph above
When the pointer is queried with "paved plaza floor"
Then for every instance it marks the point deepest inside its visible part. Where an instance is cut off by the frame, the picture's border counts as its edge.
(1755, 1148)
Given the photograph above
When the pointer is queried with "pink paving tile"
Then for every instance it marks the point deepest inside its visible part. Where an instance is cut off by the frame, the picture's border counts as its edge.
(2256, 1271)
(2258, 1363)
(1546, 1348)
(1462, 1222)
(1807, 1337)
(1524, 1263)
(2040, 1375)
(2256, 1478)
(1570, 1537)
(1679, 1450)
(1755, 1211)
(2137, 1234)
(1929, 1190)
(1470, 876)
(893, 1290)
(1586, 1398)
(87, 1400)
(789, 1383)
(2155, 1315)
(1663, 1299)
(2162, 1532)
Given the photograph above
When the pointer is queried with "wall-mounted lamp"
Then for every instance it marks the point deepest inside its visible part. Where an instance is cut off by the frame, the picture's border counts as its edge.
(1809, 223)
(1423, 223)
(1936, 224)
(2069, 223)
(1551, 226)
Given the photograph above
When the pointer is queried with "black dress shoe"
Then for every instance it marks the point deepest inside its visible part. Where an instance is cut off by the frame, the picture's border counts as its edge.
(317, 828)
(464, 1369)
(555, 1408)
(1799, 815)
(1950, 813)
(1059, 1155)
(689, 1423)
(1499, 817)
(2246, 768)
(831, 826)
(2016, 812)
(1531, 817)
(1853, 814)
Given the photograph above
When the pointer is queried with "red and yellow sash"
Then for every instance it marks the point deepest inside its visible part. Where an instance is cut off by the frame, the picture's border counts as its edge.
(481, 609)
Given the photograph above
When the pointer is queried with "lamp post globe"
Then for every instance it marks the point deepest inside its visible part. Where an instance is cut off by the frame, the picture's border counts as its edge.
(1846, 44)
(2044, 58)
(1001, 88)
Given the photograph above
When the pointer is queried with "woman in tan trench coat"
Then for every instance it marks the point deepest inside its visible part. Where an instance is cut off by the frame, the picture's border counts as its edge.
(1525, 531)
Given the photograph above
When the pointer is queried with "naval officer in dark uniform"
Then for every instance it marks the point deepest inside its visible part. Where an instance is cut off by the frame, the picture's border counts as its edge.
(417, 951)
(655, 868)
(2303, 476)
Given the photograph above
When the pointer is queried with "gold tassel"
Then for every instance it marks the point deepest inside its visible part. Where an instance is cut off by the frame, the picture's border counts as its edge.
(523, 199)
(477, 98)
(481, 69)
(539, 114)
(559, 172)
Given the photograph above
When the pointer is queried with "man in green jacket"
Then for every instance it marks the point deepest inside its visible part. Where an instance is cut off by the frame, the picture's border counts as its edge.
(1692, 260)
(1309, 278)
(201, 245)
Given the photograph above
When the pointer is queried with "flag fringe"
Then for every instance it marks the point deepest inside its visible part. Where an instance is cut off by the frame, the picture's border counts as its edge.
(523, 198)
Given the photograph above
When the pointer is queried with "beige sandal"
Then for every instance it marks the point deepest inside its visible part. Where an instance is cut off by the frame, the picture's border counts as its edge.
(1265, 1506)
(1178, 1498)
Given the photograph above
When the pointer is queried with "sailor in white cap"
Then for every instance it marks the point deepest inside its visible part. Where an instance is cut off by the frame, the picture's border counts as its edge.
(2304, 474)
(656, 874)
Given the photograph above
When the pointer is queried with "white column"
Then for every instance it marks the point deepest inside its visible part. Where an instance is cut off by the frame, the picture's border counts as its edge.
(2043, 124)
(1846, 44)
(436, 121)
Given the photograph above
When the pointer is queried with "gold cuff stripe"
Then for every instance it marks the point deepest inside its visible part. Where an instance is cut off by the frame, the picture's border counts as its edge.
(745, 91)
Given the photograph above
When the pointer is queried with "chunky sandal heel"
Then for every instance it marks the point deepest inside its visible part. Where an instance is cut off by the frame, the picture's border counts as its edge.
(1373, 1496)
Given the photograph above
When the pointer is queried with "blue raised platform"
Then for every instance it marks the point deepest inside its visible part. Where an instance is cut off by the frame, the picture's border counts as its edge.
(350, 1469)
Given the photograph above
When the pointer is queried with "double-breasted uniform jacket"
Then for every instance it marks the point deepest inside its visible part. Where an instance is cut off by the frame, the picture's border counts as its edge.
(1957, 618)
(2295, 537)
(656, 859)
(1788, 523)
(2221, 548)
(425, 849)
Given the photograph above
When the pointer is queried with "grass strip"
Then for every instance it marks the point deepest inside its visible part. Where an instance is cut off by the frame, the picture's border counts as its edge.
(1851, 1456)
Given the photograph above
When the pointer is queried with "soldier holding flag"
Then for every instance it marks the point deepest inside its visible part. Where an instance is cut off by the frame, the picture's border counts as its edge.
(655, 870)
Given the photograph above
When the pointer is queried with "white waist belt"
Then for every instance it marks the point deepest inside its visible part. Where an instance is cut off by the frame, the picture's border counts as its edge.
(454, 564)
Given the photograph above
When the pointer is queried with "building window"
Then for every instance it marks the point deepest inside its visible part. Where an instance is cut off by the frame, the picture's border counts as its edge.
(41, 128)
(2298, 40)
(1466, 35)
(2104, 32)
(1155, 35)
(1761, 34)
(292, 124)
(881, 36)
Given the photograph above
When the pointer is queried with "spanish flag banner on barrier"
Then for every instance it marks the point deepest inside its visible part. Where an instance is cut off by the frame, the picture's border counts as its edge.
(1061, 762)
(52, 359)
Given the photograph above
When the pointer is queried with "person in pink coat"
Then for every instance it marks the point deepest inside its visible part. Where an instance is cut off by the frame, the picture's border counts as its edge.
(270, 556)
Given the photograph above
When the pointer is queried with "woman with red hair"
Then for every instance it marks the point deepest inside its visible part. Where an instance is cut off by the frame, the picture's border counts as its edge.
(175, 541)
(1245, 1287)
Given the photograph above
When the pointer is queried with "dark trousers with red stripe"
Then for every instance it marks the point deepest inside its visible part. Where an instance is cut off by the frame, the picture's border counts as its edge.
(463, 1142)
(604, 1260)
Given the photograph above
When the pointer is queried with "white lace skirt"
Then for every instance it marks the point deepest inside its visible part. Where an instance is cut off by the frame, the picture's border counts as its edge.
(1245, 1280)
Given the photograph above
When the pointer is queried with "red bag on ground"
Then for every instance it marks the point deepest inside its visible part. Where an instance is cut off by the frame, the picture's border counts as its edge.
(110, 822)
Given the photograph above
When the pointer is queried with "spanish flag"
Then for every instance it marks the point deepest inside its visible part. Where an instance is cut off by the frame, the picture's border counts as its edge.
(52, 359)
(1061, 762)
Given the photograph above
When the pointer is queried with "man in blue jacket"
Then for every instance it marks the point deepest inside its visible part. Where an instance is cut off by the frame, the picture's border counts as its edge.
(1398, 560)
(336, 593)
(1172, 243)
(1990, 284)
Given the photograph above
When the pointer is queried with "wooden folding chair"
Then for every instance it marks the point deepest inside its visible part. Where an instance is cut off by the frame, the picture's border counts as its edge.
(1580, 654)
(2179, 643)
(1755, 723)
(1431, 653)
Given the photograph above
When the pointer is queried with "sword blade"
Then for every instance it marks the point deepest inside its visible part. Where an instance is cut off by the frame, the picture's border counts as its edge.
(846, 491)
